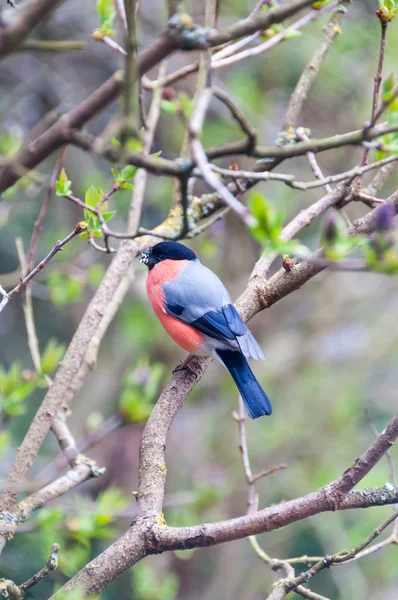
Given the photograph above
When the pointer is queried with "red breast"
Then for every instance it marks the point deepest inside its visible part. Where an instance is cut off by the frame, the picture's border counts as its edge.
(184, 335)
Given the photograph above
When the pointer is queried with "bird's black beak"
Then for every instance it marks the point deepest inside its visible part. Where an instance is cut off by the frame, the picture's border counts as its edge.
(146, 258)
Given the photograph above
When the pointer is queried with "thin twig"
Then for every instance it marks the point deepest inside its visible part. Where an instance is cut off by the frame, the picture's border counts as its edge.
(51, 565)
(238, 115)
(58, 246)
(130, 72)
(226, 61)
(86, 442)
(311, 70)
(376, 89)
(121, 12)
(303, 137)
(210, 221)
(336, 559)
(253, 500)
(195, 127)
(43, 211)
(27, 308)
(107, 250)
(202, 81)
(385, 104)
(290, 181)
(52, 45)
(141, 178)
(391, 468)
(5, 298)
(379, 179)
(65, 439)
(112, 44)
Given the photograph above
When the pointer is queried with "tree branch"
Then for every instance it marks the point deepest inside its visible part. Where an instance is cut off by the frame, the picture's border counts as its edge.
(377, 84)
(51, 564)
(32, 13)
(256, 22)
(311, 70)
(149, 533)
(58, 246)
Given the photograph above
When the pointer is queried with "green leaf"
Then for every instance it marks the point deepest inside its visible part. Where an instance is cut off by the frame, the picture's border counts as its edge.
(108, 215)
(388, 10)
(93, 196)
(128, 172)
(134, 144)
(15, 386)
(291, 34)
(186, 104)
(11, 142)
(63, 184)
(269, 220)
(106, 12)
(320, 4)
(93, 223)
(52, 355)
(140, 388)
(170, 107)
(64, 290)
(388, 87)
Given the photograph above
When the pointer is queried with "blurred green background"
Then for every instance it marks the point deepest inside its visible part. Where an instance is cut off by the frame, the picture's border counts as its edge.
(331, 348)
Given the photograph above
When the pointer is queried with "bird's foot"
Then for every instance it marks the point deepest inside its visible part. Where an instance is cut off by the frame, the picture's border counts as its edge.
(185, 364)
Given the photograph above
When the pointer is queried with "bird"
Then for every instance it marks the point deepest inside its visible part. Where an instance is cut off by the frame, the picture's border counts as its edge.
(196, 311)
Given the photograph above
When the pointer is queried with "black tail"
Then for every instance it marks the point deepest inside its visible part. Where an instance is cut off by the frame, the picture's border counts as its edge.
(255, 399)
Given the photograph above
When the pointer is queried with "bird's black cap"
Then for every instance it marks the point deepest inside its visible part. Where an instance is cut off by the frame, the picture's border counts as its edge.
(166, 251)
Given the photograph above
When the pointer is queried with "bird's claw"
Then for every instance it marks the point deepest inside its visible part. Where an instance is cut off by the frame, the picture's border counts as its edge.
(185, 365)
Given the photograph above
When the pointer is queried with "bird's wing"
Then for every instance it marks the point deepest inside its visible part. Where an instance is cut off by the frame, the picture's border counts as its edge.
(199, 298)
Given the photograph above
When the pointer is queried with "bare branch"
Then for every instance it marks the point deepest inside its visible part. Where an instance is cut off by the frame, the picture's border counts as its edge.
(58, 134)
(287, 585)
(32, 13)
(311, 70)
(141, 177)
(51, 564)
(290, 181)
(56, 248)
(43, 211)
(201, 160)
(256, 22)
(376, 88)
(354, 138)
(51, 46)
(219, 62)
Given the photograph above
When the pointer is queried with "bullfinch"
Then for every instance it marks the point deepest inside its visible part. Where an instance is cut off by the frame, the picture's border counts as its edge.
(196, 311)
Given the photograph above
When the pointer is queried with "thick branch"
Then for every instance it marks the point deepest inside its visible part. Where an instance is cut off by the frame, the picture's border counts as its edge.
(58, 134)
(266, 520)
(150, 536)
(32, 13)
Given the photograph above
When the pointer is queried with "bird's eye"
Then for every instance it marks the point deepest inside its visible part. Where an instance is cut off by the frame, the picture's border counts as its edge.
(161, 257)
